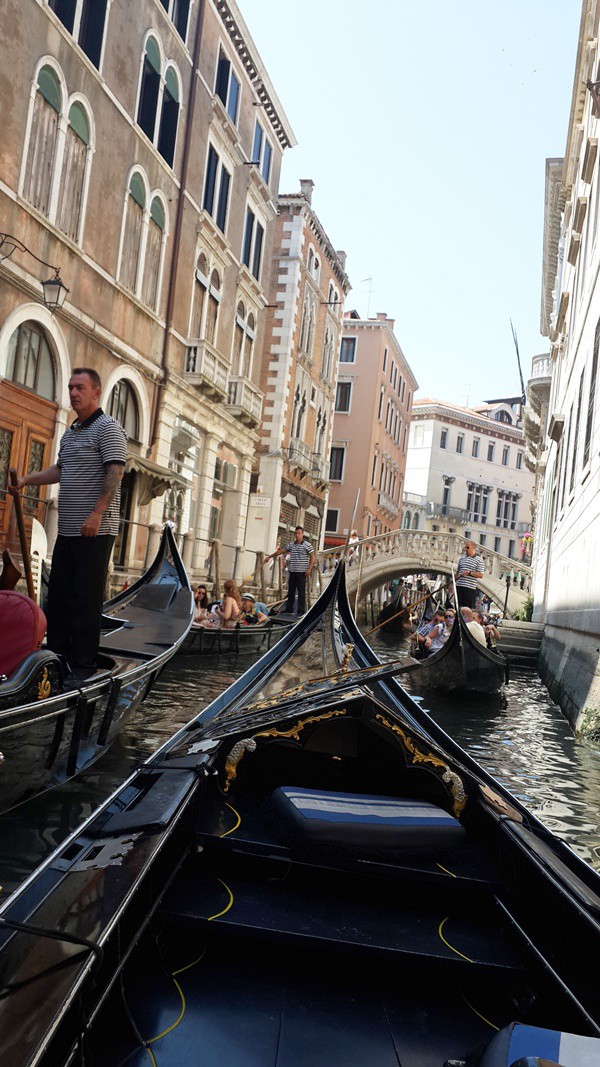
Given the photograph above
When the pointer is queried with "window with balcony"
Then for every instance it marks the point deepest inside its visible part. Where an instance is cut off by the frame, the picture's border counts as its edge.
(201, 284)
(244, 337)
(213, 305)
(348, 350)
(477, 502)
(217, 177)
(253, 244)
(227, 87)
(85, 20)
(336, 464)
(343, 397)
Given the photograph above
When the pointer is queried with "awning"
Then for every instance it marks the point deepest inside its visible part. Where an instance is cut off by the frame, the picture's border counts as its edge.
(155, 480)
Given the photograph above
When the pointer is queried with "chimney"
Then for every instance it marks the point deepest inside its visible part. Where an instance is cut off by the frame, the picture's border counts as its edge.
(306, 188)
(382, 315)
(342, 258)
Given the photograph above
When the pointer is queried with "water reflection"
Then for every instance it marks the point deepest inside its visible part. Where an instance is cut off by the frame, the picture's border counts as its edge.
(519, 736)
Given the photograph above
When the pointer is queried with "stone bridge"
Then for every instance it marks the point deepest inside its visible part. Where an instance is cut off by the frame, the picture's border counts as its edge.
(376, 560)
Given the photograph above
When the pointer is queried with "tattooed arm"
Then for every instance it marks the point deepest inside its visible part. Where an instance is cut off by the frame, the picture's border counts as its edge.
(113, 473)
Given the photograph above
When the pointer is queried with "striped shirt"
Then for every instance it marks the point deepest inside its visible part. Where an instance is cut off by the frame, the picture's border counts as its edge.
(85, 450)
(468, 563)
(300, 554)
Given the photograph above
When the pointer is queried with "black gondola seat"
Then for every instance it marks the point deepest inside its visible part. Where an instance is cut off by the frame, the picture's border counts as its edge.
(360, 820)
(518, 1042)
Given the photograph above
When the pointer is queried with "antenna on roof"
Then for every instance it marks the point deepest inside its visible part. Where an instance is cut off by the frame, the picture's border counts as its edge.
(514, 333)
(370, 280)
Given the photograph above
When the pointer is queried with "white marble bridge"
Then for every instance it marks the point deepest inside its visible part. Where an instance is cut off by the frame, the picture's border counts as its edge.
(377, 560)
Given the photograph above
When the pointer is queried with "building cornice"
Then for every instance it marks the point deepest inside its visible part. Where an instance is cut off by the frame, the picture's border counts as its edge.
(466, 421)
(348, 325)
(299, 201)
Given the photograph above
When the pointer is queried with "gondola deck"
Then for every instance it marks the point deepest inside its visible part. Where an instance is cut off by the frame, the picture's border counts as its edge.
(311, 872)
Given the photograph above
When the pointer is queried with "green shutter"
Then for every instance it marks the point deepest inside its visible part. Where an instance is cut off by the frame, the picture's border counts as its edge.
(152, 54)
(79, 123)
(157, 212)
(172, 84)
(49, 87)
(136, 188)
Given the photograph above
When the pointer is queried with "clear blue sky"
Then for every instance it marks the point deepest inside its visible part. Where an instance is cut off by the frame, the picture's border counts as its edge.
(425, 126)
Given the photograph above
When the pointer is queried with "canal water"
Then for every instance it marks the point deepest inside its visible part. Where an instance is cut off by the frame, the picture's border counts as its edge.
(520, 737)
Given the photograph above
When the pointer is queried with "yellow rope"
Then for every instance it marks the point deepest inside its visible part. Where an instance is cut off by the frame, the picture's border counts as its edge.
(446, 871)
(447, 943)
(468, 1003)
(239, 819)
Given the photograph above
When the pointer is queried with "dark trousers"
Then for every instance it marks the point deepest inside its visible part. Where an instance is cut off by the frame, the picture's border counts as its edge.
(296, 584)
(466, 597)
(75, 598)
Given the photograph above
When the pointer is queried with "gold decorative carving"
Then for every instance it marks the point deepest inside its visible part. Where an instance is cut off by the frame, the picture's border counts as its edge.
(248, 744)
(231, 763)
(296, 730)
(450, 778)
(44, 686)
(347, 658)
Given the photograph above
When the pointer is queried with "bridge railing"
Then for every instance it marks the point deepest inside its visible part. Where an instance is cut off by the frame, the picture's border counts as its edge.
(423, 549)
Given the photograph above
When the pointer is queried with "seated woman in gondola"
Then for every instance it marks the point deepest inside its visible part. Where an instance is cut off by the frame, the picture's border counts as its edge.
(225, 615)
(201, 605)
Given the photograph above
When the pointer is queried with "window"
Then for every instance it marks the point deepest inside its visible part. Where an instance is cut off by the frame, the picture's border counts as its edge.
(475, 448)
(179, 12)
(85, 19)
(446, 498)
(307, 328)
(385, 356)
(158, 105)
(497, 544)
(76, 157)
(443, 439)
(149, 89)
(576, 435)
(216, 177)
(505, 456)
(331, 520)
(460, 440)
(212, 310)
(589, 423)
(169, 117)
(511, 549)
(482, 539)
(123, 406)
(200, 293)
(244, 337)
(519, 461)
(381, 396)
(327, 363)
(490, 452)
(252, 245)
(132, 238)
(374, 471)
(343, 394)
(153, 255)
(30, 361)
(227, 87)
(262, 152)
(348, 350)
(336, 465)
(41, 153)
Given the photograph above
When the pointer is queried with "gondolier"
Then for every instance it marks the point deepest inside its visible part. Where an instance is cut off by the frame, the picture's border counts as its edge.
(300, 564)
(469, 569)
(89, 468)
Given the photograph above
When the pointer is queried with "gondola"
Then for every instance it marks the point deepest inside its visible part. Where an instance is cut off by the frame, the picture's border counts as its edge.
(462, 664)
(394, 618)
(51, 727)
(310, 872)
(238, 640)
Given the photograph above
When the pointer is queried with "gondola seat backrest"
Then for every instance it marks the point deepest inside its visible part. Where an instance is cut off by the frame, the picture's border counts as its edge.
(22, 629)
(527, 1044)
(358, 820)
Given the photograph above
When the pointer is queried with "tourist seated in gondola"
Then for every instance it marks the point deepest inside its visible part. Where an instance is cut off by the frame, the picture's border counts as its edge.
(492, 634)
(226, 614)
(201, 605)
(417, 639)
(251, 614)
(438, 635)
(473, 626)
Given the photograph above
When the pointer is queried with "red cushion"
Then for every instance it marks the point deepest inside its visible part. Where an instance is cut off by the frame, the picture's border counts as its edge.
(22, 629)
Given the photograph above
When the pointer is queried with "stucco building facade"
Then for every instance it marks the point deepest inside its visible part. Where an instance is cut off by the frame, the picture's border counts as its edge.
(142, 150)
(567, 450)
(466, 473)
(307, 289)
(373, 406)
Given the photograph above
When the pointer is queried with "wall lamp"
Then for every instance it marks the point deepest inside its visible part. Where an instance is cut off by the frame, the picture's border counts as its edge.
(55, 292)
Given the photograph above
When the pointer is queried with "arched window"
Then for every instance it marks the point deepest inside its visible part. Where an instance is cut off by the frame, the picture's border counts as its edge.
(304, 325)
(239, 336)
(407, 520)
(149, 89)
(246, 360)
(200, 291)
(123, 406)
(300, 416)
(212, 311)
(310, 333)
(30, 361)
(153, 256)
(75, 159)
(416, 520)
(132, 238)
(169, 117)
(42, 140)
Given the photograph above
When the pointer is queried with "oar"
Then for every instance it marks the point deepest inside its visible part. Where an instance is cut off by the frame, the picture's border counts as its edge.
(409, 607)
(14, 481)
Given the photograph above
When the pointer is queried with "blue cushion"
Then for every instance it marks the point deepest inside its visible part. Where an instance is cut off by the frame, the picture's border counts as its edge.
(516, 1042)
(360, 819)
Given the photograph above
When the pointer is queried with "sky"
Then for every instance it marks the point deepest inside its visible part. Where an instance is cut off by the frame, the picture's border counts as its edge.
(425, 126)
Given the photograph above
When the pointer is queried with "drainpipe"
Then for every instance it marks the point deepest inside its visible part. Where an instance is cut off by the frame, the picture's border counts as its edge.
(178, 228)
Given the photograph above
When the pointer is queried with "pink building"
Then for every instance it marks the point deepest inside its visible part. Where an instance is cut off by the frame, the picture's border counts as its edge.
(373, 405)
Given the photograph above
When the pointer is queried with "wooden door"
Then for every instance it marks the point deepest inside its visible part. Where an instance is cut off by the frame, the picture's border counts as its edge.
(27, 427)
